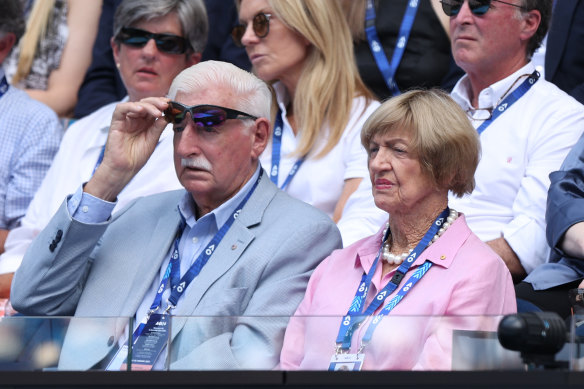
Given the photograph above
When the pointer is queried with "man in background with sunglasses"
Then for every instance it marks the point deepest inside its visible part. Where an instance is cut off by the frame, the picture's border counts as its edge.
(229, 248)
(526, 124)
(153, 41)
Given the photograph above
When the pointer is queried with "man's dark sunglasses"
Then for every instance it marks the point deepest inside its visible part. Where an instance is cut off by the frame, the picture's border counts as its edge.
(477, 7)
(204, 115)
(260, 25)
(167, 43)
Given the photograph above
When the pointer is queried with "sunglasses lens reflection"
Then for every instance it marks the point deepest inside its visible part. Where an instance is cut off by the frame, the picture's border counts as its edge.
(174, 113)
(208, 117)
(170, 45)
(201, 116)
(237, 34)
(136, 41)
(451, 7)
(477, 7)
(260, 25)
(164, 42)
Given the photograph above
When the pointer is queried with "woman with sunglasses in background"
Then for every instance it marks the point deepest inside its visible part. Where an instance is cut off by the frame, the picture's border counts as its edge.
(304, 48)
(153, 41)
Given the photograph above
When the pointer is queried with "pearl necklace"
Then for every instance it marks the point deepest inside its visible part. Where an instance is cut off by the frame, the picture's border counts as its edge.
(397, 259)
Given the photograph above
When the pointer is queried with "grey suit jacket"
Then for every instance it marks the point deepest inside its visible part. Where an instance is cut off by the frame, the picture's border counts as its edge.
(244, 295)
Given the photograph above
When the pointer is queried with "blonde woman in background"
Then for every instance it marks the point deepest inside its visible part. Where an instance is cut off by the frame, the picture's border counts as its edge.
(55, 52)
(304, 48)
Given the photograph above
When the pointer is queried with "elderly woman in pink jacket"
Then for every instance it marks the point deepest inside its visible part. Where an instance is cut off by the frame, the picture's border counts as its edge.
(393, 300)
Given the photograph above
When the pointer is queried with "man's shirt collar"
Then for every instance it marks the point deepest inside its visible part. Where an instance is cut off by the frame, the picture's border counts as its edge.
(220, 214)
(490, 96)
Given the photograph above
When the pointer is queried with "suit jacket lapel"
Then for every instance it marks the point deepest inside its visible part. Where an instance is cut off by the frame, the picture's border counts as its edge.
(227, 253)
(151, 258)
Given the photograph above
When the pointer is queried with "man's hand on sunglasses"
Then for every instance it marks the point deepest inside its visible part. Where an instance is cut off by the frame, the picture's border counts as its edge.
(133, 135)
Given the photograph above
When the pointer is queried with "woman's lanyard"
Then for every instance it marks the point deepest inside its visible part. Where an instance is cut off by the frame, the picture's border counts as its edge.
(510, 100)
(355, 316)
(3, 86)
(388, 70)
(276, 150)
(179, 285)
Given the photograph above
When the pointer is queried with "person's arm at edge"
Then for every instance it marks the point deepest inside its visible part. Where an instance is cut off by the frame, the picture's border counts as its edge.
(3, 235)
(102, 84)
(64, 82)
(349, 187)
(502, 248)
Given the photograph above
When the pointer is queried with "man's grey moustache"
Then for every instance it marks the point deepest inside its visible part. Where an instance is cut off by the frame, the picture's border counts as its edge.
(196, 163)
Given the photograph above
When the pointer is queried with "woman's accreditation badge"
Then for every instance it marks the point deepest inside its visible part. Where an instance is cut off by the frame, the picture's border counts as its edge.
(346, 362)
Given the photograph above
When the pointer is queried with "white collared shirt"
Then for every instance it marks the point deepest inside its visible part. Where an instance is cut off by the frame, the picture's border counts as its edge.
(319, 182)
(519, 150)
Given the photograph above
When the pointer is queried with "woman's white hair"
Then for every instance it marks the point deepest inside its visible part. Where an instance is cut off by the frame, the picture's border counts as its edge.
(253, 95)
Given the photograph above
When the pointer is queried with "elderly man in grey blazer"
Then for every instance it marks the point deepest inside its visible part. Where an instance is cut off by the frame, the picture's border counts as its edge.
(230, 248)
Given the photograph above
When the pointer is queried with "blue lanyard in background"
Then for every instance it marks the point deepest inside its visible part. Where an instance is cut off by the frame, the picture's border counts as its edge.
(99, 159)
(3, 86)
(276, 154)
(388, 70)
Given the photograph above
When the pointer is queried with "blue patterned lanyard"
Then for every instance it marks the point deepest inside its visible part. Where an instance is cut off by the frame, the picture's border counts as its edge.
(510, 100)
(276, 150)
(99, 159)
(177, 285)
(3, 86)
(388, 70)
(355, 316)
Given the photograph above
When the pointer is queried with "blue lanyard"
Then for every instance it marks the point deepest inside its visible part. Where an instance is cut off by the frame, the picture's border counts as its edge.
(3, 86)
(413, 280)
(172, 273)
(510, 100)
(99, 160)
(276, 150)
(388, 71)
(355, 316)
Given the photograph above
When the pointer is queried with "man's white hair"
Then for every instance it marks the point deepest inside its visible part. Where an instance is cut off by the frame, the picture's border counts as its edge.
(253, 95)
